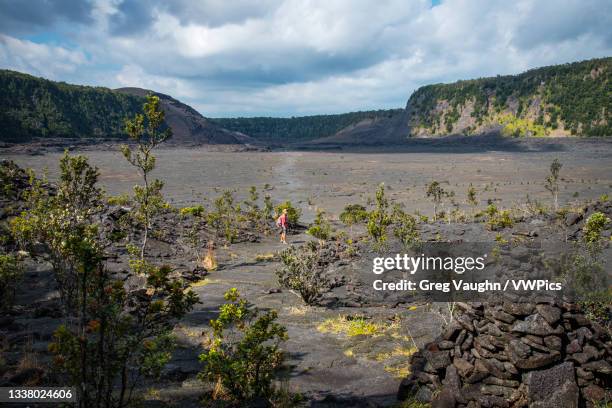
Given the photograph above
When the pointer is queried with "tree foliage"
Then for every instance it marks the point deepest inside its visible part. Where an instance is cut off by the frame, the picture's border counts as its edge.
(244, 356)
(575, 95)
(33, 107)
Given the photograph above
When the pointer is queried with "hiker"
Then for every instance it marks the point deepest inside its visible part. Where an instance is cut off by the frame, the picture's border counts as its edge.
(282, 223)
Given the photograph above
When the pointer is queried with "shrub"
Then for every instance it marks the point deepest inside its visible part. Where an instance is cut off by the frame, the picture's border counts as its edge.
(225, 216)
(321, 229)
(300, 271)
(353, 214)
(195, 211)
(471, 196)
(293, 214)
(436, 193)
(594, 226)
(245, 355)
(63, 220)
(122, 199)
(405, 227)
(500, 220)
(379, 218)
(552, 182)
(10, 276)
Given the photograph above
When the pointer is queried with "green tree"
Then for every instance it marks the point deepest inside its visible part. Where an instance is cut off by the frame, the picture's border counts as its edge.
(321, 228)
(56, 220)
(437, 194)
(245, 353)
(405, 227)
(552, 182)
(353, 214)
(379, 219)
(146, 131)
(11, 273)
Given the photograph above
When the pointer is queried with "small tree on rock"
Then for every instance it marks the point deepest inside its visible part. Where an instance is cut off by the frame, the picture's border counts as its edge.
(552, 182)
(146, 131)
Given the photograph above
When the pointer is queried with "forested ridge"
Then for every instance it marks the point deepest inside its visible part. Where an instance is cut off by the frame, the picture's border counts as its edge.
(300, 128)
(32, 107)
(570, 98)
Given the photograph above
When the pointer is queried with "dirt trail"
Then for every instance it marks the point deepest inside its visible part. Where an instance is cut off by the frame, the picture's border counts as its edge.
(354, 369)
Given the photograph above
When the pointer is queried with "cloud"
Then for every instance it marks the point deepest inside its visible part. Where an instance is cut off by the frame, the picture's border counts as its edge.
(19, 17)
(310, 56)
(45, 60)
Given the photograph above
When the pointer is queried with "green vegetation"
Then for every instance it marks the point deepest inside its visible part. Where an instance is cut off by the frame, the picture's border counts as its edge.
(574, 96)
(552, 182)
(300, 271)
(498, 219)
(224, 217)
(379, 219)
(62, 221)
(10, 276)
(244, 356)
(293, 213)
(321, 228)
(405, 227)
(108, 330)
(351, 326)
(436, 192)
(353, 214)
(517, 127)
(300, 128)
(147, 135)
(594, 226)
(34, 107)
(195, 211)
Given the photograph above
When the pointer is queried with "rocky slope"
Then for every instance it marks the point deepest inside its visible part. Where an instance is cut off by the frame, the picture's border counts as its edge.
(568, 99)
(188, 125)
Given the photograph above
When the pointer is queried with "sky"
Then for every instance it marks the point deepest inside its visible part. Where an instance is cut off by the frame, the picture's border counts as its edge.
(230, 58)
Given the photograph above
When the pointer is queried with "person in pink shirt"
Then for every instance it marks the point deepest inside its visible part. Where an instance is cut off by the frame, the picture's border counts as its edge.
(282, 222)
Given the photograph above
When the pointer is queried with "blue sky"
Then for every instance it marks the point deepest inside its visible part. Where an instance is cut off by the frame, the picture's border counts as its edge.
(285, 58)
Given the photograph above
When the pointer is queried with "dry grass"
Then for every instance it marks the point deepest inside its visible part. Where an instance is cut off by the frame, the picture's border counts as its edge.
(352, 326)
(265, 257)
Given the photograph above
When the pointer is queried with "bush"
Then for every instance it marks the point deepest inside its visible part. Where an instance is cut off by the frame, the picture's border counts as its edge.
(195, 211)
(379, 218)
(225, 216)
(10, 275)
(245, 355)
(62, 221)
(321, 229)
(122, 199)
(405, 228)
(293, 214)
(301, 272)
(497, 219)
(594, 226)
(354, 214)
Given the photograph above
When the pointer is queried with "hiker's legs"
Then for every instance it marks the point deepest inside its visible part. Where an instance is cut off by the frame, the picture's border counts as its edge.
(284, 236)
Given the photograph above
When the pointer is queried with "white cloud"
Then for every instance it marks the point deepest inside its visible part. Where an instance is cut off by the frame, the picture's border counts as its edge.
(40, 59)
(317, 56)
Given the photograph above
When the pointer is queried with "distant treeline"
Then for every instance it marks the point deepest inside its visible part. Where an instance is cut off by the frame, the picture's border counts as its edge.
(32, 107)
(300, 128)
(577, 96)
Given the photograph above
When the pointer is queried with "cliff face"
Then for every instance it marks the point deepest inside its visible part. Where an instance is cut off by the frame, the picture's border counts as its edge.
(560, 100)
(188, 125)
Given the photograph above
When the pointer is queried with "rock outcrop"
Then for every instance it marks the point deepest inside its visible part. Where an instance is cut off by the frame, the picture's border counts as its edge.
(514, 355)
